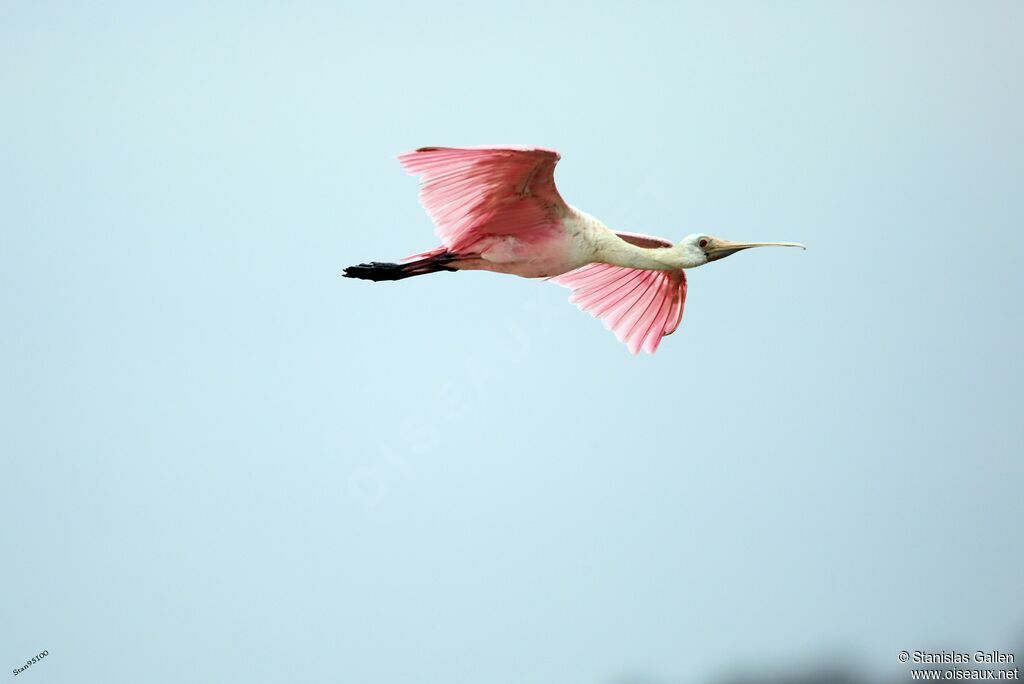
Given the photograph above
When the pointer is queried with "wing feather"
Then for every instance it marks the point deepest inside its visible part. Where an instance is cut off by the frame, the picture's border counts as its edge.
(639, 306)
(647, 241)
(472, 193)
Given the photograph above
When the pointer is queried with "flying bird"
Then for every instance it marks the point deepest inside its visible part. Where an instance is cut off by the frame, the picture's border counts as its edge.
(497, 209)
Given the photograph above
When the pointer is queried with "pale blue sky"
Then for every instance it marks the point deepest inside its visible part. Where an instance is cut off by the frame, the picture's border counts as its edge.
(223, 462)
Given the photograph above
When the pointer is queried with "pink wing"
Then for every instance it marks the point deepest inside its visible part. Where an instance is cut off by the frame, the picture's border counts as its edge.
(477, 192)
(641, 240)
(639, 306)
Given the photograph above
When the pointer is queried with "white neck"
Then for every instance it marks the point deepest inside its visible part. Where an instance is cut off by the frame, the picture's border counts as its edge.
(618, 252)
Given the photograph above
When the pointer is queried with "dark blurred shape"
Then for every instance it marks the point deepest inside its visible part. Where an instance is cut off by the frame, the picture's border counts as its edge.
(832, 674)
(817, 674)
(811, 676)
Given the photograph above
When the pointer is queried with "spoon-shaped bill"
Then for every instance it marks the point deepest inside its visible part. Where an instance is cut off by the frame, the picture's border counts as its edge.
(719, 249)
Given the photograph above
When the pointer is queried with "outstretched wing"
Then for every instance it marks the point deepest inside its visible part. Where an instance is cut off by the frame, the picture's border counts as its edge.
(477, 192)
(647, 241)
(639, 306)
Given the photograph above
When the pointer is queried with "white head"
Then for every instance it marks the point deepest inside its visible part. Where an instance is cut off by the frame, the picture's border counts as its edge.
(700, 249)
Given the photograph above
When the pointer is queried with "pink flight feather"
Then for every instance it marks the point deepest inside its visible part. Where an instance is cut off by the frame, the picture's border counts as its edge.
(639, 306)
(475, 193)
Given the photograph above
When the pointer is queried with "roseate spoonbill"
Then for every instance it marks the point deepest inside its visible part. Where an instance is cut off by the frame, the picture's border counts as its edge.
(497, 209)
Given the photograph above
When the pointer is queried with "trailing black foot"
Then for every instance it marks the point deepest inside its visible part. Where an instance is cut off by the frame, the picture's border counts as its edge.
(380, 270)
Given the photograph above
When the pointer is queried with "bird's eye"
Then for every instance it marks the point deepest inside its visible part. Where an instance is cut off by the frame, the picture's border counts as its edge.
(703, 242)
